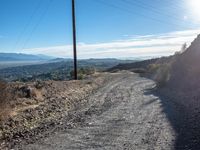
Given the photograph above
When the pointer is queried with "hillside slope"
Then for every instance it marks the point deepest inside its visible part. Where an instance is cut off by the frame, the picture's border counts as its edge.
(185, 70)
(179, 74)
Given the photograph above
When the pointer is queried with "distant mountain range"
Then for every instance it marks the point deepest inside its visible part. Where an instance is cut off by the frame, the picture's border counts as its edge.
(23, 57)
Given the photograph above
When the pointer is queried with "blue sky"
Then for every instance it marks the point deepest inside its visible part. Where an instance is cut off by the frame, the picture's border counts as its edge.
(105, 28)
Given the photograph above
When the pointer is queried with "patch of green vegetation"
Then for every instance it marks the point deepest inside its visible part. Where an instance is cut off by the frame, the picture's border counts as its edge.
(55, 70)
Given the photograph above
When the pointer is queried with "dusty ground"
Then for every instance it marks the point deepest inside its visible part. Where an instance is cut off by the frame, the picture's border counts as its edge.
(121, 115)
(33, 108)
(107, 111)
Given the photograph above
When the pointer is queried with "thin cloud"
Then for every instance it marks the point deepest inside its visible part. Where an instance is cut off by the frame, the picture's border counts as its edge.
(144, 45)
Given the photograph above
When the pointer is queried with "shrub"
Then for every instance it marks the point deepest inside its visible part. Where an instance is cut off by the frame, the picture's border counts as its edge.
(39, 84)
(162, 75)
(2, 91)
(2, 84)
(3, 98)
(153, 68)
(83, 72)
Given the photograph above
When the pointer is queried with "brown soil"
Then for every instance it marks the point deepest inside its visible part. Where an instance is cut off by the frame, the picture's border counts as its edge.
(36, 104)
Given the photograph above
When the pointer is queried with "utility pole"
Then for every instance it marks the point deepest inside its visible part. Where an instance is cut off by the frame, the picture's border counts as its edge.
(74, 39)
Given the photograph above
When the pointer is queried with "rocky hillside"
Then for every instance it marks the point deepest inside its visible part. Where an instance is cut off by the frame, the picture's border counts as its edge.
(185, 69)
(179, 74)
(184, 77)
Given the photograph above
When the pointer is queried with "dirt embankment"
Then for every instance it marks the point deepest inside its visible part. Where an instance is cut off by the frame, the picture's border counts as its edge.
(37, 105)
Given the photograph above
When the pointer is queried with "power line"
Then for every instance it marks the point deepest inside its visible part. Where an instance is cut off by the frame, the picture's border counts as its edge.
(130, 11)
(28, 23)
(173, 5)
(150, 8)
(37, 24)
(153, 9)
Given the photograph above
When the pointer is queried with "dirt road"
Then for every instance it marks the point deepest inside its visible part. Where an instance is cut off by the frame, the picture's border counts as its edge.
(121, 115)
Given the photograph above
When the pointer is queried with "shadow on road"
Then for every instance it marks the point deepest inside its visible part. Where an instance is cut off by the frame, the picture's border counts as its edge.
(185, 123)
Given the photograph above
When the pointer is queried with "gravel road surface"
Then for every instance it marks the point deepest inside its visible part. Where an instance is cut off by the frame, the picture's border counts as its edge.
(120, 115)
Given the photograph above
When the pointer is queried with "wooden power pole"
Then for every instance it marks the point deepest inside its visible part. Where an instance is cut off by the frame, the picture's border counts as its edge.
(74, 39)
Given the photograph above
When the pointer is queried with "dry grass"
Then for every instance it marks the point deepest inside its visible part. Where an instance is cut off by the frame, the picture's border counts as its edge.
(32, 105)
(3, 100)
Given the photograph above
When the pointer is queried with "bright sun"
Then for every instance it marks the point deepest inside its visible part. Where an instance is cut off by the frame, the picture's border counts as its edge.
(194, 6)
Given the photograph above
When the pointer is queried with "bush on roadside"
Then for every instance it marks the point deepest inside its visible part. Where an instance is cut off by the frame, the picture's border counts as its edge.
(83, 72)
(153, 68)
(39, 84)
(162, 75)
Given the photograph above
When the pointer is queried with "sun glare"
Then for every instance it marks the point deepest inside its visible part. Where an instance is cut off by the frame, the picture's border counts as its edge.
(194, 6)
